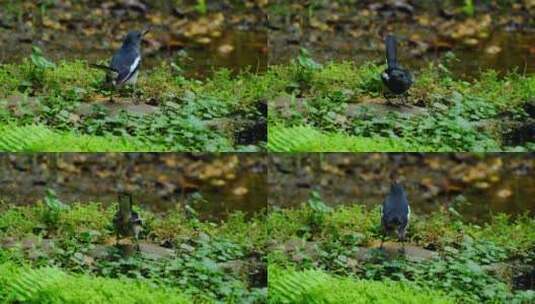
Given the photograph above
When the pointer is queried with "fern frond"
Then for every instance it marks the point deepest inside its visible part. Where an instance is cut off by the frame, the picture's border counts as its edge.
(291, 286)
(20, 138)
(291, 139)
(287, 286)
(52, 285)
(40, 138)
(309, 139)
(30, 282)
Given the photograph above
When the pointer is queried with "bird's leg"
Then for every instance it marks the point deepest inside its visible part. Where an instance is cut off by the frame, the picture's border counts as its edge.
(405, 98)
(402, 239)
(387, 96)
(138, 248)
(112, 91)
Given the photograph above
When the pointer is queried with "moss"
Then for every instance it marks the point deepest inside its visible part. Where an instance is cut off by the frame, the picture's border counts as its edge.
(444, 113)
(310, 253)
(200, 249)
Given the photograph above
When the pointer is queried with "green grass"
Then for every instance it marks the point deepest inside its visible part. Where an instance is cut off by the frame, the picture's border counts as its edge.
(191, 114)
(195, 270)
(321, 243)
(453, 115)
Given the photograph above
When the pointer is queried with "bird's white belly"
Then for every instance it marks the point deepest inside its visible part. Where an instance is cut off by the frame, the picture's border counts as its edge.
(132, 79)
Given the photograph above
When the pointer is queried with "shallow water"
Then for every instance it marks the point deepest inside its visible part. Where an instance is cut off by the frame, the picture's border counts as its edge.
(158, 182)
(354, 32)
(489, 183)
(231, 44)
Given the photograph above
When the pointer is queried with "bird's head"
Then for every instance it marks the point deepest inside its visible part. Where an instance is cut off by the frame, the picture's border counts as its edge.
(134, 37)
(395, 183)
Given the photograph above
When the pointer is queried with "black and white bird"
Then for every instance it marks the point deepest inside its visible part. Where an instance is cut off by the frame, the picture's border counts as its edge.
(397, 79)
(125, 63)
(127, 223)
(396, 212)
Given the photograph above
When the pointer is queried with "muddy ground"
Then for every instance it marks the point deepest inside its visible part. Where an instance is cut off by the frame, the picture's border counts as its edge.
(198, 38)
(475, 185)
(214, 186)
(490, 36)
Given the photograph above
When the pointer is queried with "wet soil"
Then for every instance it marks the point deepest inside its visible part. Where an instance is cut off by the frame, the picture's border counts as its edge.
(226, 35)
(496, 38)
(475, 185)
(212, 185)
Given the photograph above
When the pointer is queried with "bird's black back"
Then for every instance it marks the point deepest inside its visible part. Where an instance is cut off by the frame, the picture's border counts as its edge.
(397, 79)
(124, 214)
(396, 207)
(127, 57)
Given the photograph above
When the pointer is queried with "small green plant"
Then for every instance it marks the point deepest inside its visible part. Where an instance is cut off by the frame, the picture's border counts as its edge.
(185, 115)
(469, 8)
(336, 110)
(53, 208)
(472, 263)
(306, 65)
(201, 7)
(40, 64)
(208, 263)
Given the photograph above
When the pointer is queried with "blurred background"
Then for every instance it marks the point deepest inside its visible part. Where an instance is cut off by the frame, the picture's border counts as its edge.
(468, 35)
(197, 35)
(474, 185)
(212, 184)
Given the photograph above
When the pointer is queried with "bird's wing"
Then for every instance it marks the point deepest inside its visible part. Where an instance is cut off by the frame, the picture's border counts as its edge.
(126, 62)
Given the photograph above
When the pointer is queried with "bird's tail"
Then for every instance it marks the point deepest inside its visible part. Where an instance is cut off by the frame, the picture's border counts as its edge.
(103, 67)
(396, 221)
(390, 46)
(125, 205)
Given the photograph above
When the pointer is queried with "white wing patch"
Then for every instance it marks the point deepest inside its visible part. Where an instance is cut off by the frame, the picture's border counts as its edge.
(134, 65)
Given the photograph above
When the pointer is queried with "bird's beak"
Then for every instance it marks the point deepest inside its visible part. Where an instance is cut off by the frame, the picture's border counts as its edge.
(145, 31)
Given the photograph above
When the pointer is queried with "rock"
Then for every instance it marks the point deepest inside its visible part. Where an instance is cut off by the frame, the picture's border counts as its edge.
(300, 249)
(155, 252)
(366, 109)
(187, 248)
(237, 267)
(99, 252)
(520, 132)
(286, 106)
(115, 108)
(364, 254)
(503, 271)
(523, 277)
(29, 242)
(411, 253)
